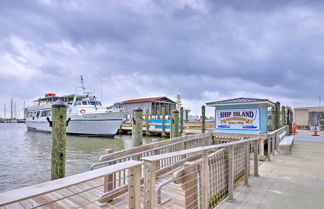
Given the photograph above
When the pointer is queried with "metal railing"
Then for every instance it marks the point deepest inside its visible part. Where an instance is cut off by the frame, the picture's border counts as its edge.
(230, 164)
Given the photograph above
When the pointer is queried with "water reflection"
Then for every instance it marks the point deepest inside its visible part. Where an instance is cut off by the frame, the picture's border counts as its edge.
(25, 156)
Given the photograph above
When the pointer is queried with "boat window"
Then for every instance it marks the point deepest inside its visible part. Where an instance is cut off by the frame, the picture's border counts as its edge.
(49, 113)
(78, 103)
(100, 104)
(92, 102)
(84, 103)
(37, 114)
(44, 113)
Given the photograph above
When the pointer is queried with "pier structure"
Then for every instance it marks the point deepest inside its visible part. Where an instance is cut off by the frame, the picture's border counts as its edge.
(189, 171)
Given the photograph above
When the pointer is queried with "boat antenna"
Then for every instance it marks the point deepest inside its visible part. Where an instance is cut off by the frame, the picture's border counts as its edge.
(82, 85)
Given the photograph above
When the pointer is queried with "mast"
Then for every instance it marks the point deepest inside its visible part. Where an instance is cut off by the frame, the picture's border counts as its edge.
(11, 108)
(4, 111)
(82, 85)
(15, 111)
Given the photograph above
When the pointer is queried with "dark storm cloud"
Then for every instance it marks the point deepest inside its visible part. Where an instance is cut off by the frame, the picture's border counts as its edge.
(194, 48)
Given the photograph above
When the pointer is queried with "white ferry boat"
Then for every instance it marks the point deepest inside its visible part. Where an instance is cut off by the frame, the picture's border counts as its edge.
(87, 115)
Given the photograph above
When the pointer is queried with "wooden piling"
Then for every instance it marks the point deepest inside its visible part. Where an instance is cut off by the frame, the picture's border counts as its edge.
(59, 111)
(187, 118)
(181, 120)
(137, 127)
(158, 114)
(277, 116)
(203, 119)
(163, 121)
(174, 124)
(283, 115)
(147, 116)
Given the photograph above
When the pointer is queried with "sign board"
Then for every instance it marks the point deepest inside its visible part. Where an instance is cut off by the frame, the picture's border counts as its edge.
(238, 119)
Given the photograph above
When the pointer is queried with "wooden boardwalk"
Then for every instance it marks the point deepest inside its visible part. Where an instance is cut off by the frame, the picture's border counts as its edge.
(87, 194)
(199, 167)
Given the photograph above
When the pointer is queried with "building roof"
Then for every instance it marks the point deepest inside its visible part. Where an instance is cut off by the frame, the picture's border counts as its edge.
(151, 99)
(320, 108)
(240, 101)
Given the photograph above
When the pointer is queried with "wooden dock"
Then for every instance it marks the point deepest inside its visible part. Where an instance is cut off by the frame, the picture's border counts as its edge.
(156, 128)
(187, 171)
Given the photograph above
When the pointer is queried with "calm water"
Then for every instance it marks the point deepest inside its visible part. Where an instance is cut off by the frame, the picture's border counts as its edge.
(25, 157)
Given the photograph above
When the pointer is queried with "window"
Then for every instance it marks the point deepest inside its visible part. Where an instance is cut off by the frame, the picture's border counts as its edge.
(92, 102)
(84, 103)
(78, 103)
(44, 113)
(37, 114)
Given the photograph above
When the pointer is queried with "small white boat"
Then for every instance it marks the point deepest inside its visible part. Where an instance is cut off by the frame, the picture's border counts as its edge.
(87, 115)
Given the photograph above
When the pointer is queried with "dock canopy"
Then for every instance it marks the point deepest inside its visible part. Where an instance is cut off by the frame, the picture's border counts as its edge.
(240, 101)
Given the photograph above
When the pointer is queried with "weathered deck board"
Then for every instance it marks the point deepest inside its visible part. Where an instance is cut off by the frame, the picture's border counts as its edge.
(15, 205)
(29, 203)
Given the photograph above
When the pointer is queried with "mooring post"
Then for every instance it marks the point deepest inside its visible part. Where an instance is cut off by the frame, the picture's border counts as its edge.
(283, 115)
(277, 118)
(289, 120)
(203, 119)
(137, 127)
(158, 112)
(187, 118)
(163, 121)
(181, 120)
(174, 124)
(147, 128)
(269, 147)
(59, 111)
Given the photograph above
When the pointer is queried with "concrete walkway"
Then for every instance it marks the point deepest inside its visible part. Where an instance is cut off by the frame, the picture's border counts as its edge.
(287, 181)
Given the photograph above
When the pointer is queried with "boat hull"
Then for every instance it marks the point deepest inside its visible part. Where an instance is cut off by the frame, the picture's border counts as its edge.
(105, 124)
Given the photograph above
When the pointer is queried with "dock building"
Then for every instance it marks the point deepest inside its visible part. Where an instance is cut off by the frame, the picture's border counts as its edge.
(302, 116)
(153, 104)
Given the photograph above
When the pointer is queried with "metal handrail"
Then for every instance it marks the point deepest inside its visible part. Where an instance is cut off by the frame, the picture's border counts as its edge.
(279, 129)
(196, 149)
(159, 189)
(139, 153)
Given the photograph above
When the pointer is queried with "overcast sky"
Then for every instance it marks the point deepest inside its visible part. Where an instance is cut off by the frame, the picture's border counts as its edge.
(203, 50)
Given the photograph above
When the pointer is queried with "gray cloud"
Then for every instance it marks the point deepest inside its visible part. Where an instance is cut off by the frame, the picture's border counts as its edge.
(203, 50)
